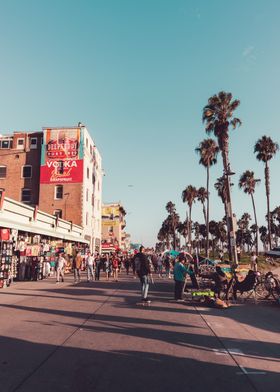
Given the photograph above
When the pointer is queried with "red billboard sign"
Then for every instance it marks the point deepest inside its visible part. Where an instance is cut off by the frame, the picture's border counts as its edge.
(62, 156)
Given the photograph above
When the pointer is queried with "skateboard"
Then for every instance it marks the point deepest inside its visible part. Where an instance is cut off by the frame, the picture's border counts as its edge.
(144, 303)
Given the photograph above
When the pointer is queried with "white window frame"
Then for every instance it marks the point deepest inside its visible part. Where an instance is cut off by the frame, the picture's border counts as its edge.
(55, 192)
(22, 168)
(21, 198)
(21, 146)
(2, 178)
(33, 146)
(3, 141)
(58, 213)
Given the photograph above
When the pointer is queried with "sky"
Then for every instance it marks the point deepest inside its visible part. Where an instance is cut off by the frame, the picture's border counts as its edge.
(138, 73)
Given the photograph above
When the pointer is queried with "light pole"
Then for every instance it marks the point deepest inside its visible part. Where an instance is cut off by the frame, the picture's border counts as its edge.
(65, 194)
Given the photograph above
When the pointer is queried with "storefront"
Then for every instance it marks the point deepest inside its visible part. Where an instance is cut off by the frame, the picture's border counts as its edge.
(30, 241)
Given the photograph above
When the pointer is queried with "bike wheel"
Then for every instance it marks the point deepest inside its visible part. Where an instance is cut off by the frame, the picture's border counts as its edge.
(276, 293)
(261, 291)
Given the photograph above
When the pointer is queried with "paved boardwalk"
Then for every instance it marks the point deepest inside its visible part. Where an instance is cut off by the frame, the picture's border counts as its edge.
(93, 337)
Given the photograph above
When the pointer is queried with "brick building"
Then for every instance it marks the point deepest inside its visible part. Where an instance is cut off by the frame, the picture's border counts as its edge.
(58, 169)
(20, 156)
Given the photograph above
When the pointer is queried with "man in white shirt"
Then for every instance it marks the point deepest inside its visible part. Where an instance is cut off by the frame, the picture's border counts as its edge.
(60, 264)
(90, 267)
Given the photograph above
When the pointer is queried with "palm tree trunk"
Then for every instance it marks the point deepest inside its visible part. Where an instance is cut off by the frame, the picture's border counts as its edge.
(256, 223)
(231, 234)
(207, 216)
(267, 188)
(190, 229)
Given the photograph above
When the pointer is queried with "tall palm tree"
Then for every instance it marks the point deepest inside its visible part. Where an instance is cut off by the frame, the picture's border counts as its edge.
(220, 186)
(189, 195)
(265, 149)
(247, 183)
(202, 197)
(172, 221)
(208, 151)
(218, 116)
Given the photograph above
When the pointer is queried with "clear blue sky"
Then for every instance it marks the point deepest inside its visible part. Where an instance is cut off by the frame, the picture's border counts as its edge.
(138, 73)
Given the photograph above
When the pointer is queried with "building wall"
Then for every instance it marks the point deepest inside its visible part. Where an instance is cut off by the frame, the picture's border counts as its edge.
(81, 202)
(70, 204)
(14, 159)
(113, 224)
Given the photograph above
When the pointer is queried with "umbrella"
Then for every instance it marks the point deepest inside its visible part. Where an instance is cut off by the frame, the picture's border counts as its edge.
(173, 253)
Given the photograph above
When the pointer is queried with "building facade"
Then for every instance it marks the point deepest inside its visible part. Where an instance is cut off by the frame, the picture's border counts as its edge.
(61, 173)
(20, 155)
(113, 224)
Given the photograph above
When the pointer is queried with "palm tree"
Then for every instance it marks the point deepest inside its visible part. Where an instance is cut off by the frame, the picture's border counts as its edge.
(208, 151)
(218, 116)
(248, 182)
(202, 197)
(172, 220)
(265, 149)
(189, 195)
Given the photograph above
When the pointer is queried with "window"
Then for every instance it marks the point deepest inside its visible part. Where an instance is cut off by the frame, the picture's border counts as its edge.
(5, 143)
(26, 195)
(58, 195)
(87, 172)
(26, 171)
(87, 142)
(58, 213)
(33, 143)
(92, 199)
(3, 171)
(87, 195)
(86, 218)
(93, 178)
(90, 149)
(20, 144)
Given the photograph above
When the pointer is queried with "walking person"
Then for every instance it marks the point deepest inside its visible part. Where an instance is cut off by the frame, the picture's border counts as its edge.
(159, 266)
(180, 272)
(60, 265)
(127, 264)
(254, 262)
(107, 267)
(142, 267)
(90, 267)
(97, 266)
(77, 265)
(115, 265)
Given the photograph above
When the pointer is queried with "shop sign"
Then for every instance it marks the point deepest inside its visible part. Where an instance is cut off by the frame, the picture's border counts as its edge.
(62, 156)
(4, 234)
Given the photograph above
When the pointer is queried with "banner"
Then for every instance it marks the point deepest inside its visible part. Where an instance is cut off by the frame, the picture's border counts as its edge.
(62, 156)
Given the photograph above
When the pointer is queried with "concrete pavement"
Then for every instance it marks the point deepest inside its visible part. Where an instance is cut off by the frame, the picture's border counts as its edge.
(93, 337)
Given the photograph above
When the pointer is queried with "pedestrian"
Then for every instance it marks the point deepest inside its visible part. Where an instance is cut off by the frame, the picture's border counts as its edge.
(127, 264)
(142, 267)
(77, 264)
(60, 265)
(159, 266)
(254, 262)
(90, 267)
(180, 272)
(97, 263)
(115, 265)
(167, 266)
(107, 267)
(238, 250)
